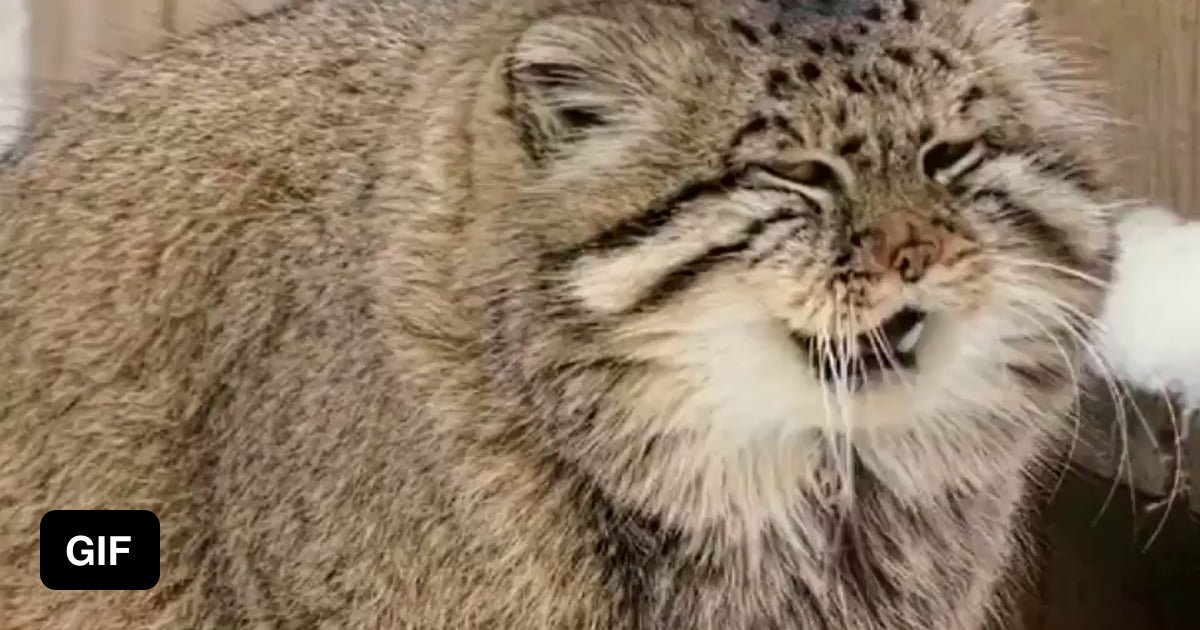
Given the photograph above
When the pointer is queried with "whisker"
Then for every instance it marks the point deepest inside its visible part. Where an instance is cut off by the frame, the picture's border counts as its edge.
(1076, 388)
(1118, 395)
(1118, 390)
(884, 349)
(857, 361)
(845, 407)
(1178, 476)
(1068, 271)
(824, 342)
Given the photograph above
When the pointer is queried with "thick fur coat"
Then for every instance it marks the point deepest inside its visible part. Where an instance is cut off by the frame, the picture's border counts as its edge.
(549, 314)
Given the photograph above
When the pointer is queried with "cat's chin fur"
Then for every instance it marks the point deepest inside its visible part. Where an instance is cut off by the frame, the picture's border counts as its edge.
(770, 435)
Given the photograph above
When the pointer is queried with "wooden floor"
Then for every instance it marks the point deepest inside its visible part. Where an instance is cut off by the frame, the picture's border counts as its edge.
(1106, 569)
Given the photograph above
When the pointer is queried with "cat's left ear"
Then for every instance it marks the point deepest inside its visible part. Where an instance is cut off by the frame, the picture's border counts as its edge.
(571, 77)
(559, 83)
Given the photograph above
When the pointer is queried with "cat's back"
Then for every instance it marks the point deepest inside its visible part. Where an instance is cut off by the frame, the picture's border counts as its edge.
(240, 92)
(238, 126)
(237, 158)
(194, 230)
(238, 161)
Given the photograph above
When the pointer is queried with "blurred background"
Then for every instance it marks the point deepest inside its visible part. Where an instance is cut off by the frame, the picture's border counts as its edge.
(1111, 558)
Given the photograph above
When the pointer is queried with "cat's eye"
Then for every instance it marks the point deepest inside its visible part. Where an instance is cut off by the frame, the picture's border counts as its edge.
(815, 173)
(945, 162)
(815, 179)
(802, 175)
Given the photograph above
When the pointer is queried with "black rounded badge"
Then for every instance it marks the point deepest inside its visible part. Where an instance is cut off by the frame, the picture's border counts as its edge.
(100, 550)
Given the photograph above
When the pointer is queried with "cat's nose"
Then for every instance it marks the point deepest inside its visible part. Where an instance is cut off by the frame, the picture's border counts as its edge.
(906, 243)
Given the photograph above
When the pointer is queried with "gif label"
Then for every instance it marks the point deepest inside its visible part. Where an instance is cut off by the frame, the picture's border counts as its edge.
(99, 550)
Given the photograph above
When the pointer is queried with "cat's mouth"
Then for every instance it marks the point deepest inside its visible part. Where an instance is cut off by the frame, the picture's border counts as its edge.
(869, 357)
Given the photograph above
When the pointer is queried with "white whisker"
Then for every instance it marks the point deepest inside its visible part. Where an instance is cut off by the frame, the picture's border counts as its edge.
(1071, 317)
(1076, 388)
(1068, 271)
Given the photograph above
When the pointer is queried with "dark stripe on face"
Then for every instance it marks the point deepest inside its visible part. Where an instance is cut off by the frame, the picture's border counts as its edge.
(663, 212)
(632, 230)
(1051, 239)
(685, 275)
(775, 247)
(1040, 376)
(1069, 169)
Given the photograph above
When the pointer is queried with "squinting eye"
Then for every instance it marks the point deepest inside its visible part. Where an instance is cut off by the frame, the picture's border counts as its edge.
(947, 161)
(813, 174)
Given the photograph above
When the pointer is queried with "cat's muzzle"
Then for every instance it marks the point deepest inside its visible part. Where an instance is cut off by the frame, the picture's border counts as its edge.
(870, 356)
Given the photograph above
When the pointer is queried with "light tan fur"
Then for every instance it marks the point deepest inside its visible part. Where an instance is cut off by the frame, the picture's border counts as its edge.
(481, 315)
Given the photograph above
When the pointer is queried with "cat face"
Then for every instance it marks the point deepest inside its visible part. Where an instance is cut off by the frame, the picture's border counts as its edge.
(739, 224)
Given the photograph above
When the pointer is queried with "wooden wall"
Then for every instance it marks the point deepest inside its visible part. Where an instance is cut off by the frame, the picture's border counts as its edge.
(1148, 54)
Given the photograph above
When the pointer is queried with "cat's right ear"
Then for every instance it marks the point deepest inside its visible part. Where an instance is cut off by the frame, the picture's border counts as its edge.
(564, 82)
